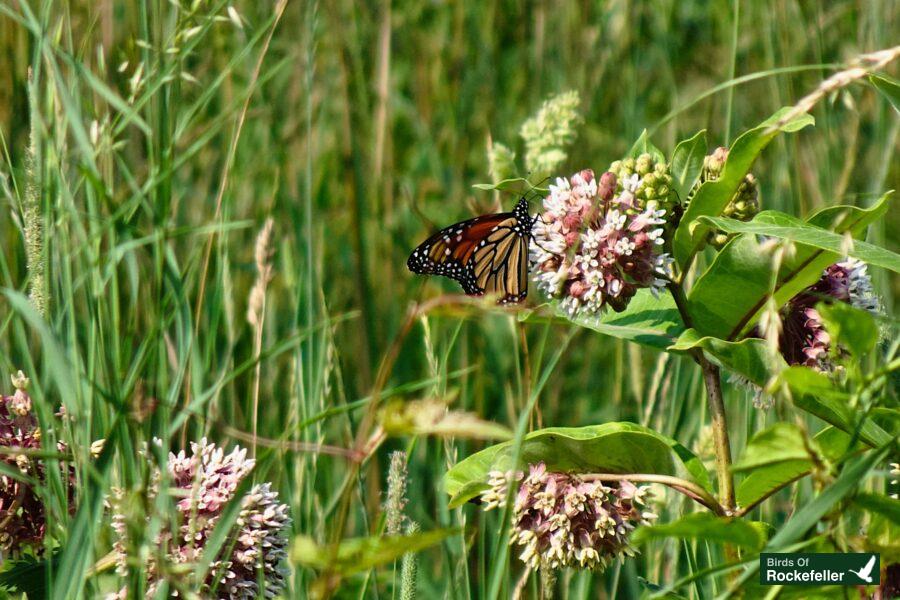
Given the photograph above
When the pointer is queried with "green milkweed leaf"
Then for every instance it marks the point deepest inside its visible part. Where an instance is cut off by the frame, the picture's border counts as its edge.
(643, 145)
(773, 224)
(647, 320)
(779, 455)
(687, 163)
(609, 448)
(816, 394)
(749, 358)
(802, 520)
(850, 327)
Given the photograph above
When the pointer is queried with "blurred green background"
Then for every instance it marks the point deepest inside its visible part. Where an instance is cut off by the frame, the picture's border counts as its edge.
(366, 125)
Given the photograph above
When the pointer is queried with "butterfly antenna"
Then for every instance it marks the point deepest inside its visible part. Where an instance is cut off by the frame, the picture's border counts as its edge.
(534, 187)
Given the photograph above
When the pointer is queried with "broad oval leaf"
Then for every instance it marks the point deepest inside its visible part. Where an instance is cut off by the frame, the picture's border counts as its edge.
(713, 196)
(749, 358)
(647, 320)
(687, 163)
(727, 299)
(617, 448)
(707, 527)
(779, 443)
(773, 458)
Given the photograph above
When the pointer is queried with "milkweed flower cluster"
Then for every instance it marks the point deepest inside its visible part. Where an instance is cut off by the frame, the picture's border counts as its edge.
(206, 481)
(597, 242)
(802, 336)
(23, 519)
(562, 520)
(804, 339)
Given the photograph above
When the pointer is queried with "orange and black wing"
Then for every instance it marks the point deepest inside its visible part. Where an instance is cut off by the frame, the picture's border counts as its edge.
(486, 255)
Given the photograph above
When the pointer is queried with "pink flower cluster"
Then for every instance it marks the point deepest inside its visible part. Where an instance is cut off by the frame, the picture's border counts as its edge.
(206, 481)
(562, 520)
(594, 247)
(804, 340)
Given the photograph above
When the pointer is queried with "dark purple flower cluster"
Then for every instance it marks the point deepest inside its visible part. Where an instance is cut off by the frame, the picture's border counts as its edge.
(803, 339)
(23, 520)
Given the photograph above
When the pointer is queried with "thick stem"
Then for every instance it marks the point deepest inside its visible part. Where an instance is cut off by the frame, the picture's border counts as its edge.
(720, 430)
(716, 407)
(690, 489)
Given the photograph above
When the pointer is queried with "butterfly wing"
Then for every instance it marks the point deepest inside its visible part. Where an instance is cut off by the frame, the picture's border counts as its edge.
(500, 262)
(486, 255)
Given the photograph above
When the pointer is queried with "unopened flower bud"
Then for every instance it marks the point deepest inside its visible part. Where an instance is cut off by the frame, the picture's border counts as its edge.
(97, 447)
(713, 164)
(19, 381)
(607, 188)
(643, 164)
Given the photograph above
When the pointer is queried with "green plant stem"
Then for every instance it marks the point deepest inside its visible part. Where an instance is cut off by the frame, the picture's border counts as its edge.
(690, 489)
(713, 384)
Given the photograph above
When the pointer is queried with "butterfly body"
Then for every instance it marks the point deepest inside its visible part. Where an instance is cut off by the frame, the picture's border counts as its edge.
(486, 255)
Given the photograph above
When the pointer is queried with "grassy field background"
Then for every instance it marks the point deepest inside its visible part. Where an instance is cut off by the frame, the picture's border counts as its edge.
(167, 133)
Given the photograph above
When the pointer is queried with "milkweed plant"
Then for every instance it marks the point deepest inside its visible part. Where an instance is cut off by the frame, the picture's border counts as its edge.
(783, 306)
(676, 249)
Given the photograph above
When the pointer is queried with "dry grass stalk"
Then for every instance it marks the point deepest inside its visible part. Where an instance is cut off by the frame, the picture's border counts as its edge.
(256, 309)
(861, 66)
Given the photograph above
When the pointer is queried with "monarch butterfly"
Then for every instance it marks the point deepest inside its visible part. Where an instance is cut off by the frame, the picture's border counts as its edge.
(487, 254)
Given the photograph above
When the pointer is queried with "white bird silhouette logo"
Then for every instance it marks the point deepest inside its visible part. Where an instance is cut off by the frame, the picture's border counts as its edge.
(866, 572)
